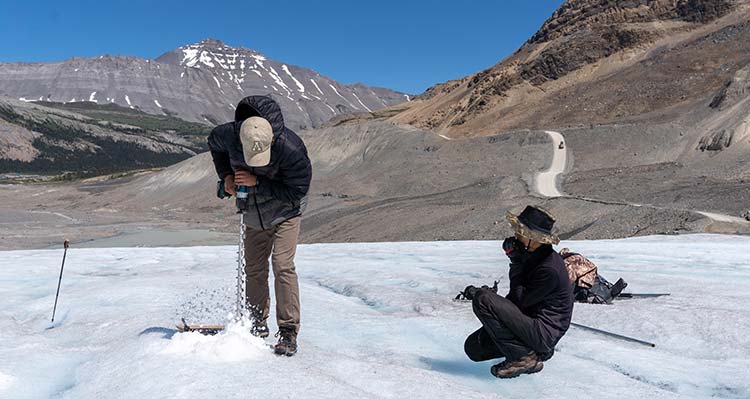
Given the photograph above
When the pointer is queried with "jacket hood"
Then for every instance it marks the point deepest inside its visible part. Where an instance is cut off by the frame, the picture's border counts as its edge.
(262, 106)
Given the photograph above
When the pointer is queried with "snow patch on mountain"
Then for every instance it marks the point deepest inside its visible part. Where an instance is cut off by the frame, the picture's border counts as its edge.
(300, 87)
(360, 101)
(342, 97)
(279, 81)
(317, 87)
(190, 57)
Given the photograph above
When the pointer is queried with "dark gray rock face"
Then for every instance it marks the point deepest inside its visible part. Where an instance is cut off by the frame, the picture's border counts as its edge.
(201, 82)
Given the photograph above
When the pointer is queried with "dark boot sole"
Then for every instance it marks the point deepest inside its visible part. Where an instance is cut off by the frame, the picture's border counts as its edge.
(537, 368)
(285, 353)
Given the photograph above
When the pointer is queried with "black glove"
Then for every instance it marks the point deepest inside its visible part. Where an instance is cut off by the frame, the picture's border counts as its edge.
(470, 291)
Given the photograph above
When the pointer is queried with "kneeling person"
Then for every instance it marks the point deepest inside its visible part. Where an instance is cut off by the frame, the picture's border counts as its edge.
(526, 324)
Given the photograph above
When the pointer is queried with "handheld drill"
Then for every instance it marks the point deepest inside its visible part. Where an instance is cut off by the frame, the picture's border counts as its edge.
(242, 194)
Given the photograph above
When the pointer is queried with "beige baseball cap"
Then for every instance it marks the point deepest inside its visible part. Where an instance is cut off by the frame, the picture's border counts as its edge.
(256, 136)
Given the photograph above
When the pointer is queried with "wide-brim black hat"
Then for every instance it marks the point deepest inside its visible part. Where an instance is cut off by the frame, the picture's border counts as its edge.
(535, 224)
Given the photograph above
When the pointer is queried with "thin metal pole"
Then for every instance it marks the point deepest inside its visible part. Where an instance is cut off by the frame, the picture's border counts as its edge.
(240, 304)
(609, 334)
(66, 244)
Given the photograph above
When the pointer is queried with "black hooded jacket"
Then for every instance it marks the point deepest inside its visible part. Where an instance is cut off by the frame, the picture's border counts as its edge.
(281, 192)
(541, 289)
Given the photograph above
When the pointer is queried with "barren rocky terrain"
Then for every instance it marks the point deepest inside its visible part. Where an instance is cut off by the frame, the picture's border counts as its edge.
(651, 99)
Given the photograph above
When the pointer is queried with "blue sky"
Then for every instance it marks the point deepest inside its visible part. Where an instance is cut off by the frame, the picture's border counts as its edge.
(403, 45)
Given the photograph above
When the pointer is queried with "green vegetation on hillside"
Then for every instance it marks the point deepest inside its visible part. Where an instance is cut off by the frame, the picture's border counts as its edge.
(73, 146)
(133, 117)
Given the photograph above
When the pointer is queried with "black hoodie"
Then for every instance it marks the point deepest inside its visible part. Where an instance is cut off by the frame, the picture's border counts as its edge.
(542, 290)
(281, 192)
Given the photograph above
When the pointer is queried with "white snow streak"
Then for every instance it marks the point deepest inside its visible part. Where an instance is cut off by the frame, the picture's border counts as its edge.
(127, 99)
(317, 87)
(257, 71)
(259, 60)
(342, 97)
(157, 103)
(360, 101)
(329, 107)
(275, 76)
(217, 82)
(407, 97)
(182, 74)
(300, 88)
(91, 97)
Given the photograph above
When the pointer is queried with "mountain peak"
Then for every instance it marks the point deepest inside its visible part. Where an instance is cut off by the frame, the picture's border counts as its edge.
(210, 53)
(209, 41)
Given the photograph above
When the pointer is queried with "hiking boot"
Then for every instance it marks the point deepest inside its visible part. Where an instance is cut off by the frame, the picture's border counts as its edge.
(287, 345)
(260, 329)
(528, 364)
(544, 356)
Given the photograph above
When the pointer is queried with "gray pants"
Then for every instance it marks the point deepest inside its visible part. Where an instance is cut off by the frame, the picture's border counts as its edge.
(280, 244)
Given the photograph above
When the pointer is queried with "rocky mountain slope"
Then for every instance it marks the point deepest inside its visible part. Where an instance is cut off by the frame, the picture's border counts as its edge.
(90, 139)
(201, 82)
(598, 61)
(652, 99)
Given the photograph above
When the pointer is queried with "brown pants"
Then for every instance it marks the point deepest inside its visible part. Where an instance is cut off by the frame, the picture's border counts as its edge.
(281, 244)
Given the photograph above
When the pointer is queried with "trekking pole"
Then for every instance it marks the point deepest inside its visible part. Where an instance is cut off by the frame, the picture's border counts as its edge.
(618, 336)
(66, 244)
(630, 295)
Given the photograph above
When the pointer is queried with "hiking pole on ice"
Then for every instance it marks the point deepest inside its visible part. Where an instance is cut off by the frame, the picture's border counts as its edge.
(613, 335)
(66, 244)
(630, 295)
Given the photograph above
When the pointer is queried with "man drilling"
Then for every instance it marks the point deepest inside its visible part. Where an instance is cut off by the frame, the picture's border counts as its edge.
(258, 154)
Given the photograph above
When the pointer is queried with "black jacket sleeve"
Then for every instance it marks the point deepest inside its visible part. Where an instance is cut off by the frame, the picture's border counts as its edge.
(219, 152)
(516, 288)
(295, 173)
